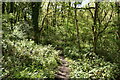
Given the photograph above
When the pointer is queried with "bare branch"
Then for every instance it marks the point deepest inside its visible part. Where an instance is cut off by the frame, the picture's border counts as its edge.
(106, 25)
(43, 21)
(104, 16)
(91, 13)
(87, 8)
(45, 17)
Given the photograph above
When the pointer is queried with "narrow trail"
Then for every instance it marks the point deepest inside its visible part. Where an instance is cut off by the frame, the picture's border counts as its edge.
(63, 70)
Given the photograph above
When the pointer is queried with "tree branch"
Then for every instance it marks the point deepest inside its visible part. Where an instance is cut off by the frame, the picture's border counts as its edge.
(43, 22)
(106, 25)
(91, 13)
(86, 8)
(104, 16)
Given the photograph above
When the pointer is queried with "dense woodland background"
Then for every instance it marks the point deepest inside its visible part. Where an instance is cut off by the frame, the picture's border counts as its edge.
(36, 34)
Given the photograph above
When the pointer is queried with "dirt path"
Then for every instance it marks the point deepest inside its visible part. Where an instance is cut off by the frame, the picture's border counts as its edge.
(63, 70)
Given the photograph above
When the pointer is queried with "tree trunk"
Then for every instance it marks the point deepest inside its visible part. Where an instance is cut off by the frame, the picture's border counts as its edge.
(95, 39)
(118, 14)
(77, 28)
(94, 29)
(119, 20)
(3, 7)
(11, 7)
(35, 15)
(47, 17)
(11, 11)
(68, 18)
(54, 16)
(62, 14)
(24, 14)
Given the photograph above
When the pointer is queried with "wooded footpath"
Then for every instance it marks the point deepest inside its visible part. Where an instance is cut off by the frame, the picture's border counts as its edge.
(60, 40)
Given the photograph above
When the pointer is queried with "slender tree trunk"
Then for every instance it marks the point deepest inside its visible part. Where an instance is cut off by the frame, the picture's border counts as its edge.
(3, 7)
(47, 16)
(11, 7)
(24, 14)
(11, 11)
(8, 7)
(68, 18)
(35, 15)
(62, 15)
(77, 28)
(94, 29)
(47, 20)
(118, 14)
(119, 20)
(18, 15)
(54, 16)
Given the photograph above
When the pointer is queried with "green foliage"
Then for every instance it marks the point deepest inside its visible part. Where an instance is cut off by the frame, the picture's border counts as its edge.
(21, 30)
(93, 67)
(24, 59)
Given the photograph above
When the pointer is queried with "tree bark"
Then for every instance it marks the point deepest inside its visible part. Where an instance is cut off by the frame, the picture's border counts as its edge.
(94, 29)
(35, 15)
(11, 11)
(77, 28)
(62, 14)
(47, 17)
(68, 18)
(54, 15)
(118, 12)
(11, 7)
(3, 7)
(118, 23)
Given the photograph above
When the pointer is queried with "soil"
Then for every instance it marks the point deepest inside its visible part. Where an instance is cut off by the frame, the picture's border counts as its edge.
(63, 70)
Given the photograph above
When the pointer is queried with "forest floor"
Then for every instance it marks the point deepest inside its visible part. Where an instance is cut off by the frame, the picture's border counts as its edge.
(63, 70)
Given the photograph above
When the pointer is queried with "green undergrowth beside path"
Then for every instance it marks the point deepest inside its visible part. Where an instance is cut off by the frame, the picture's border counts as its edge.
(25, 59)
(90, 66)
